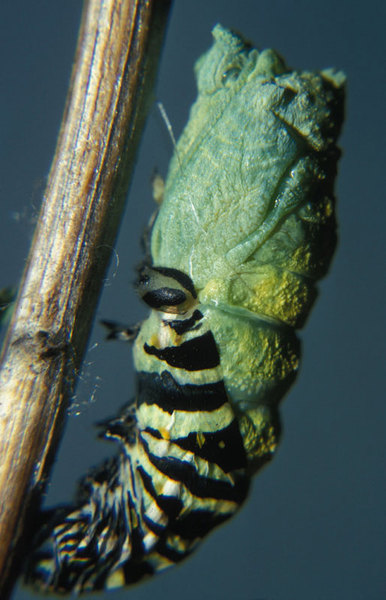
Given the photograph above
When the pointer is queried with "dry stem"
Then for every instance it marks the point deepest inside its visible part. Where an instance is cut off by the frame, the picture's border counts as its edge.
(118, 49)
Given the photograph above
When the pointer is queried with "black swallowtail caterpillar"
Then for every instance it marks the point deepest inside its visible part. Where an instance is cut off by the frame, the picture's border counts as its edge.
(245, 228)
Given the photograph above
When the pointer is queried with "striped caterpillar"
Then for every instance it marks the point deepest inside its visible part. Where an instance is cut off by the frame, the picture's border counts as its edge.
(245, 228)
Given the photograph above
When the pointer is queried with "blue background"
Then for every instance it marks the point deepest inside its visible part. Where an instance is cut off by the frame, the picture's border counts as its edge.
(314, 525)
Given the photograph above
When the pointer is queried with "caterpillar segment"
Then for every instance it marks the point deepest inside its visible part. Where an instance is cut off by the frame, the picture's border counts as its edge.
(182, 467)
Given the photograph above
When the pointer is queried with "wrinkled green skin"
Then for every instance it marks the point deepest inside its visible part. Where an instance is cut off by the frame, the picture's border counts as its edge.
(248, 214)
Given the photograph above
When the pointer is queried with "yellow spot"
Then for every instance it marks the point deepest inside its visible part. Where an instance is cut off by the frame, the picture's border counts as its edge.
(221, 444)
(154, 341)
(115, 580)
(165, 433)
(158, 188)
(133, 517)
(329, 207)
(200, 437)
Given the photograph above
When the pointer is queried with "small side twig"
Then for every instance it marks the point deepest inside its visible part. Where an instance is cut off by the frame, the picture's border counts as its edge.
(118, 49)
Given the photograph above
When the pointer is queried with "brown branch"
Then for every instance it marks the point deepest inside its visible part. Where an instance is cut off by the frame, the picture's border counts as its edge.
(118, 49)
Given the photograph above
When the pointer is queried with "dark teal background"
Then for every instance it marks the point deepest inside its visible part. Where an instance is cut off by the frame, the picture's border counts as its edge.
(314, 526)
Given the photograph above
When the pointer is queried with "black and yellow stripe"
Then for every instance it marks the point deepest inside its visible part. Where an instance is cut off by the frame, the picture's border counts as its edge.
(182, 469)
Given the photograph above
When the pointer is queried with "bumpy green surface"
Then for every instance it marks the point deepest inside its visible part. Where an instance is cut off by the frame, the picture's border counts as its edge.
(248, 208)
(248, 212)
